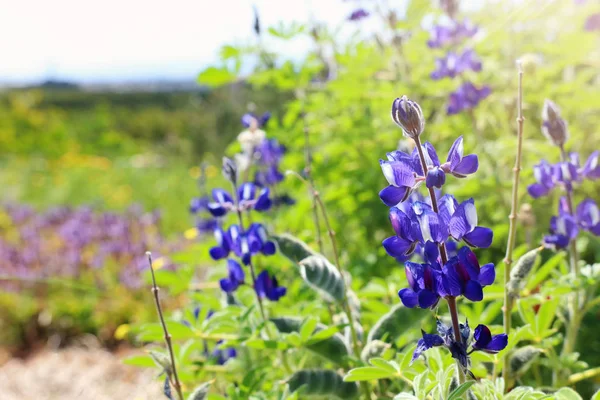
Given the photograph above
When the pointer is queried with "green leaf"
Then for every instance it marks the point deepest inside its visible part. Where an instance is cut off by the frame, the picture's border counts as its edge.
(459, 391)
(397, 321)
(307, 328)
(596, 396)
(324, 383)
(522, 358)
(333, 348)
(520, 271)
(161, 360)
(213, 77)
(379, 369)
(405, 396)
(140, 361)
(323, 276)
(567, 394)
(265, 344)
(201, 392)
(293, 248)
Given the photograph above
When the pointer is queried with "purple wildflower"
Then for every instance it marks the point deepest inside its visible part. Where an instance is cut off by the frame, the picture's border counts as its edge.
(252, 121)
(486, 342)
(443, 35)
(358, 14)
(235, 277)
(267, 286)
(462, 275)
(588, 216)
(425, 286)
(466, 97)
(453, 65)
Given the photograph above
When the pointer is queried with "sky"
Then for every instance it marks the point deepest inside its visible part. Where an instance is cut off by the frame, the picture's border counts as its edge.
(127, 40)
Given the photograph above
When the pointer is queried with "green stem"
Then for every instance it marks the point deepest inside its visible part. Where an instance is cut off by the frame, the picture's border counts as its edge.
(173, 377)
(512, 220)
(311, 183)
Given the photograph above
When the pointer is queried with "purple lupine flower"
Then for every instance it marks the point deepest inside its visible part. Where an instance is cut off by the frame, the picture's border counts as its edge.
(198, 204)
(235, 278)
(223, 203)
(222, 355)
(488, 343)
(456, 164)
(592, 23)
(462, 275)
(443, 35)
(563, 229)
(430, 223)
(400, 171)
(268, 287)
(408, 234)
(425, 286)
(252, 121)
(258, 240)
(427, 342)
(269, 176)
(591, 168)
(206, 225)
(544, 175)
(270, 152)
(463, 224)
(466, 97)
(407, 114)
(223, 247)
(247, 198)
(588, 216)
(359, 14)
(554, 128)
(453, 65)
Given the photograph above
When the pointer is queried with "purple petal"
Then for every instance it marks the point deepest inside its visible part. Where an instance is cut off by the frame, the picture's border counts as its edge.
(536, 190)
(235, 270)
(468, 261)
(447, 206)
(498, 343)
(467, 166)
(269, 248)
(396, 247)
(264, 119)
(591, 169)
(431, 154)
(473, 291)
(392, 195)
(414, 274)
(398, 173)
(263, 203)
(427, 298)
(431, 253)
(487, 274)
(479, 237)
(227, 285)
(555, 242)
(217, 253)
(463, 220)
(263, 281)
(408, 297)
(455, 153)
(482, 336)
(247, 191)
(436, 177)
(221, 196)
(451, 280)
(216, 209)
(248, 119)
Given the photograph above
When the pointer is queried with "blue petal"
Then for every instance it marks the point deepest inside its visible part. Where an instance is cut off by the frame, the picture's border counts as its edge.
(487, 274)
(269, 248)
(456, 152)
(468, 165)
(463, 220)
(217, 253)
(392, 195)
(428, 299)
(451, 280)
(216, 209)
(498, 343)
(482, 336)
(479, 237)
(408, 297)
(263, 203)
(436, 177)
(396, 247)
(221, 196)
(447, 206)
(262, 283)
(432, 154)
(473, 291)
(431, 253)
(398, 173)
(236, 273)
(227, 285)
(247, 191)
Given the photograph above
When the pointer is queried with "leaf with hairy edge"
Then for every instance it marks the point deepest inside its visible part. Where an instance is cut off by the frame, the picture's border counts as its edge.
(333, 347)
(520, 271)
(522, 358)
(397, 321)
(325, 383)
(322, 276)
(293, 248)
(201, 392)
(162, 360)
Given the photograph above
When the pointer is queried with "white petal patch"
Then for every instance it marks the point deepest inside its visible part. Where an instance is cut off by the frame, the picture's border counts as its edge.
(537, 174)
(565, 171)
(561, 226)
(425, 231)
(471, 215)
(594, 162)
(388, 172)
(219, 236)
(247, 191)
(460, 149)
(594, 215)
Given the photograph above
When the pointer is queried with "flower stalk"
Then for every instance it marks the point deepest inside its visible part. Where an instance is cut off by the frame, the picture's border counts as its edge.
(512, 220)
(311, 183)
(173, 377)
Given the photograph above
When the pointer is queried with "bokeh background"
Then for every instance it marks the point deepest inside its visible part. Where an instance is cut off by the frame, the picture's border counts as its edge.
(111, 113)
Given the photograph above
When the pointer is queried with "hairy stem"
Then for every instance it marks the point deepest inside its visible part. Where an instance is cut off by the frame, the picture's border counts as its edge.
(311, 183)
(173, 377)
(512, 220)
(444, 255)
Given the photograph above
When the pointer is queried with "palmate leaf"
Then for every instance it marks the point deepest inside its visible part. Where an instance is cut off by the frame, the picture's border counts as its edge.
(522, 358)
(323, 276)
(395, 322)
(325, 383)
(333, 347)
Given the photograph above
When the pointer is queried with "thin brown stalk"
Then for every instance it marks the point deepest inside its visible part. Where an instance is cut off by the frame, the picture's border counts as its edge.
(512, 220)
(311, 183)
(173, 376)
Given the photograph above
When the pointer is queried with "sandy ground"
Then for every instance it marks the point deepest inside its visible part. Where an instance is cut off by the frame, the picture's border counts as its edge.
(76, 373)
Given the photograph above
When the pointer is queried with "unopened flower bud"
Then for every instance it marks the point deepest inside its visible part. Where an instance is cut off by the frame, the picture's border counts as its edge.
(407, 115)
(229, 170)
(554, 127)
